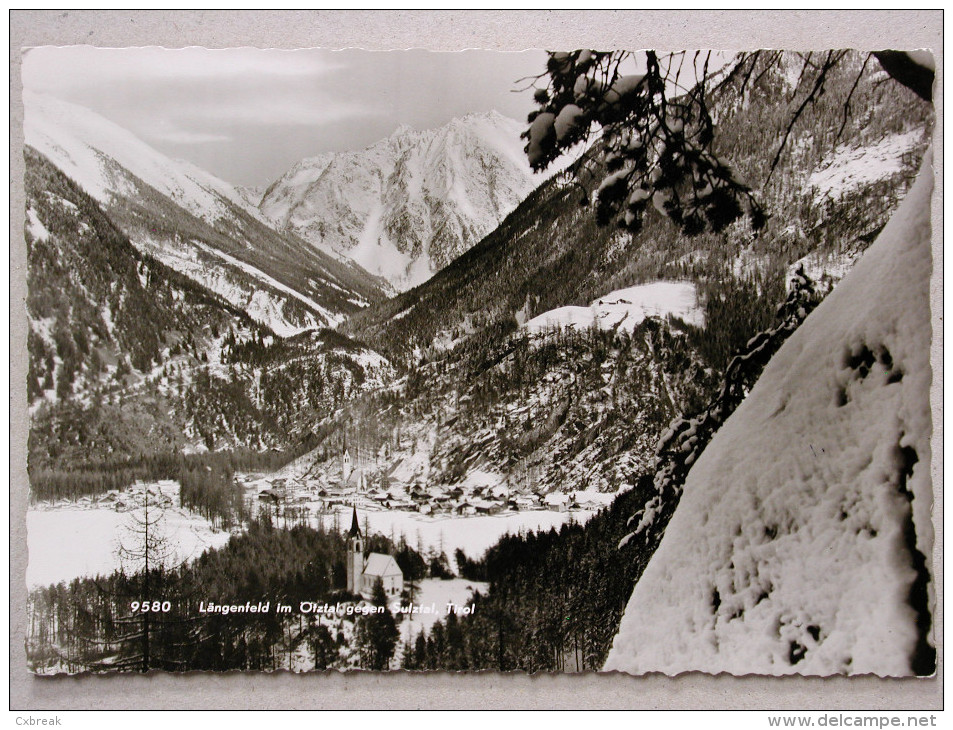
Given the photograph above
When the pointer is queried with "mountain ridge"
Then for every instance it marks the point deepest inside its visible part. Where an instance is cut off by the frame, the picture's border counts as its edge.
(196, 223)
(549, 252)
(406, 205)
(130, 359)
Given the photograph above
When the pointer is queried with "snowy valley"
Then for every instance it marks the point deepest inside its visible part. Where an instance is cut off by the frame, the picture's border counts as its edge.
(429, 338)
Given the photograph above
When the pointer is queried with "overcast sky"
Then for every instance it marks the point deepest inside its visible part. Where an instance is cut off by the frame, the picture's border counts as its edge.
(248, 114)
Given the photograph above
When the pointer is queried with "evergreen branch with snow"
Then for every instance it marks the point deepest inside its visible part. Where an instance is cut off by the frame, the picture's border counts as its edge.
(683, 442)
(657, 134)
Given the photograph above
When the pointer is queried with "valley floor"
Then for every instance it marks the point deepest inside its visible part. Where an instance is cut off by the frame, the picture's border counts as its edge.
(74, 539)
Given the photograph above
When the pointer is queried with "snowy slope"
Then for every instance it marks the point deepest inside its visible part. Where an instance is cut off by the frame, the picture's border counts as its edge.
(409, 204)
(81, 143)
(251, 195)
(196, 223)
(798, 546)
(851, 167)
(625, 308)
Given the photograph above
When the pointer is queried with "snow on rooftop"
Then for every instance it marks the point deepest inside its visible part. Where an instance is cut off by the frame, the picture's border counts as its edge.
(584, 496)
(381, 565)
(626, 308)
(798, 546)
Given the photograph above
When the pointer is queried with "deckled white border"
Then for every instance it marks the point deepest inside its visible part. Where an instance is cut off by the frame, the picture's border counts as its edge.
(449, 30)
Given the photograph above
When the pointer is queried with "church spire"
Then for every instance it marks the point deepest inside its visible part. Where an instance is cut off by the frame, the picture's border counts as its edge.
(355, 528)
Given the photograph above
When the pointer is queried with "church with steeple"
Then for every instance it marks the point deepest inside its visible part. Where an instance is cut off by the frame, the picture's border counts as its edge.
(363, 573)
(353, 469)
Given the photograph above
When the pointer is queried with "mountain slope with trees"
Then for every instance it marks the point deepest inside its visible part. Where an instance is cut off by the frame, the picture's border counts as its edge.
(858, 175)
(130, 361)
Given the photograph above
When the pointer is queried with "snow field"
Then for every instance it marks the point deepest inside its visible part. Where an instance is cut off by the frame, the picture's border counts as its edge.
(472, 534)
(626, 308)
(852, 168)
(74, 540)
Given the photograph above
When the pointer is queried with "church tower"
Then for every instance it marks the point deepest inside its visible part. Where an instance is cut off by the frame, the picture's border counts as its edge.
(346, 466)
(355, 555)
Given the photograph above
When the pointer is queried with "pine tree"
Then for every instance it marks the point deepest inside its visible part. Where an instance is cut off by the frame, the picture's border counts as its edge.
(322, 646)
(376, 634)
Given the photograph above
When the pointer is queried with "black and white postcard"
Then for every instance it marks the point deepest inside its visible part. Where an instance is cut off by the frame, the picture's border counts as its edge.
(552, 361)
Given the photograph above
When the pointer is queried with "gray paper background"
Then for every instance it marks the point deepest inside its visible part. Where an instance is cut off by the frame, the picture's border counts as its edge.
(447, 31)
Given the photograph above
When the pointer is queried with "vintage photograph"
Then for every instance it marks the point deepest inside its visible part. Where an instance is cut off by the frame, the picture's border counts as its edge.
(581, 360)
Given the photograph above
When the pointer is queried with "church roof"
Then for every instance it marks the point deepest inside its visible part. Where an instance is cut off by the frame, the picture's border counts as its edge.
(379, 565)
(355, 530)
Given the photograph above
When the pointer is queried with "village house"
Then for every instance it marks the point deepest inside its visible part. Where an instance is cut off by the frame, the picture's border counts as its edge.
(488, 507)
(557, 501)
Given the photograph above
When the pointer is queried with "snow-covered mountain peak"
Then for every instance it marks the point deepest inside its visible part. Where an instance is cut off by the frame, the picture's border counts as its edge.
(194, 222)
(403, 130)
(407, 205)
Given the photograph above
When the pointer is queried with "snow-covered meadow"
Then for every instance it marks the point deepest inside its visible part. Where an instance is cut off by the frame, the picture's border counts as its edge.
(473, 534)
(68, 540)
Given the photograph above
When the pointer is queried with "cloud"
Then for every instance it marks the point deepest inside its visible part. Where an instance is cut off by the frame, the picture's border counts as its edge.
(184, 136)
(49, 68)
(280, 108)
(188, 95)
(227, 114)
